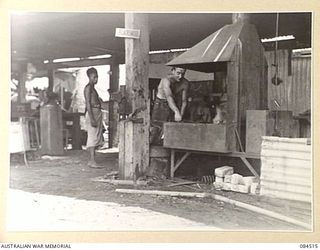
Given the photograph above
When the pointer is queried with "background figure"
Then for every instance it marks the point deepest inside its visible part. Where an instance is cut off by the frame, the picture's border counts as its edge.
(93, 117)
(220, 113)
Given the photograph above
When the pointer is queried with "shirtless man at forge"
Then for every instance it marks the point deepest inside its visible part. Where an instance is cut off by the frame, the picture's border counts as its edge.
(170, 103)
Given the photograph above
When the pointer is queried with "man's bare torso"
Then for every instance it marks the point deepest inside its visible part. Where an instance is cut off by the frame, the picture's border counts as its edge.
(176, 87)
(94, 97)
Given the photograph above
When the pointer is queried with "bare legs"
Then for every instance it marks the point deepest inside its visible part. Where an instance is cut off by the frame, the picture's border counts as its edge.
(92, 161)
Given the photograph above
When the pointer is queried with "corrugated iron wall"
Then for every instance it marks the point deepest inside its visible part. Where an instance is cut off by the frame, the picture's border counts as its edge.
(286, 169)
(294, 93)
(301, 84)
(282, 92)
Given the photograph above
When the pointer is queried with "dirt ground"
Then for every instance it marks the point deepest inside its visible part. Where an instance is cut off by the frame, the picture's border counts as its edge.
(34, 212)
(71, 177)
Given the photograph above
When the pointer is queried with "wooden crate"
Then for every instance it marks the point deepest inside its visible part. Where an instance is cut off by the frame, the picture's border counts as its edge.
(19, 136)
(195, 136)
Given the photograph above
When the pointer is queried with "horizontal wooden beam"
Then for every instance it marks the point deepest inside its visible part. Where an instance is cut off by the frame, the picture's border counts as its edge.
(80, 63)
(226, 154)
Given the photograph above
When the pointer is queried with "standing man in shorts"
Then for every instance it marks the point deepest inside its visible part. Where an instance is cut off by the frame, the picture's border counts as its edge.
(93, 117)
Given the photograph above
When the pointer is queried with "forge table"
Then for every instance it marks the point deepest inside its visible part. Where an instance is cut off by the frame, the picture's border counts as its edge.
(196, 138)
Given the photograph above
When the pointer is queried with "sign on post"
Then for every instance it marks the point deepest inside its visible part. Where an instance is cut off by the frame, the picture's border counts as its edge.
(128, 33)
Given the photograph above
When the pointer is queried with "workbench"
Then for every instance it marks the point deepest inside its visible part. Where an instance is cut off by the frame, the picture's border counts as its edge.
(67, 118)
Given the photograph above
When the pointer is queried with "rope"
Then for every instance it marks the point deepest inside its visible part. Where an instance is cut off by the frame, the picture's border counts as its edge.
(276, 73)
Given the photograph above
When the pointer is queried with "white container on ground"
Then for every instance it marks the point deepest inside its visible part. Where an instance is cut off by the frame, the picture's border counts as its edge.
(240, 188)
(219, 179)
(226, 186)
(218, 185)
(227, 178)
(237, 179)
(248, 180)
(222, 171)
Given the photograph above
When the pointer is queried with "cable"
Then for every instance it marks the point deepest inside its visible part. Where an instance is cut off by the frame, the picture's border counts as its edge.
(276, 73)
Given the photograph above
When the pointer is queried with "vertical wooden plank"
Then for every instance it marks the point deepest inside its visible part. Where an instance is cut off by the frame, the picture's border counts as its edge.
(137, 87)
(113, 106)
(288, 72)
(251, 89)
(172, 157)
(22, 83)
(264, 94)
(256, 128)
(233, 78)
(121, 149)
(111, 124)
(51, 79)
(128, 150)
(76, 132)
(22, 88)
(268, 56)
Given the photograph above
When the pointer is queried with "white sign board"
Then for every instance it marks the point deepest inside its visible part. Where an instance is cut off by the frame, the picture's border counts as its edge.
(128, 33)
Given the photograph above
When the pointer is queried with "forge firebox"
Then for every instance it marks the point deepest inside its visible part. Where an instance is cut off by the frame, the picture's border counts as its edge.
(236, 56)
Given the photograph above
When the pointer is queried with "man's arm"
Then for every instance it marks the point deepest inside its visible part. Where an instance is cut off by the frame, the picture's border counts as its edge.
(170, 100)
(184, 97)
(87, 97)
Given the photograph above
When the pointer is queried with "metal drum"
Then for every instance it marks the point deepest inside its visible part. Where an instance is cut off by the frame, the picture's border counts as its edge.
(51, 129)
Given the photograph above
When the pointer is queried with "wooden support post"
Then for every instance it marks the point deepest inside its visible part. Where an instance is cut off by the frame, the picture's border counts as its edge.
(172, 163)
(22, 83)
(233, 86)
(182, 159)
(174, 166)
(122, 149)
(137, 69)
(245, 161)
(76, 132)
(113, 106)
(114, 67)
(51, 79)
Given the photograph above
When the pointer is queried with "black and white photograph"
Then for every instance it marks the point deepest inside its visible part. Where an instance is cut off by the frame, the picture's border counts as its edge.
(161, 121)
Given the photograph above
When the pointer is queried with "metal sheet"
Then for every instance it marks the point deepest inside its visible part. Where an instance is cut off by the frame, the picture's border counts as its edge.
(286, 169)
(216, 48)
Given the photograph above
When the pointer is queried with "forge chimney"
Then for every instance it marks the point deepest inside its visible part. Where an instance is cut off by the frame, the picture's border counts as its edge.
(241, 17)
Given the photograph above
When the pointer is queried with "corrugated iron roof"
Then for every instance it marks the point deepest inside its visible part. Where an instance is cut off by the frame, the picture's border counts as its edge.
(216, 48)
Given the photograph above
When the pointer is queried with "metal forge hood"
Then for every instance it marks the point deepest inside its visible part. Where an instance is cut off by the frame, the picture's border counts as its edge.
(212, 53)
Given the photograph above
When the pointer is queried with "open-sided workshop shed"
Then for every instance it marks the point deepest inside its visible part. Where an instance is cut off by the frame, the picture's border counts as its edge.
(82, 35)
